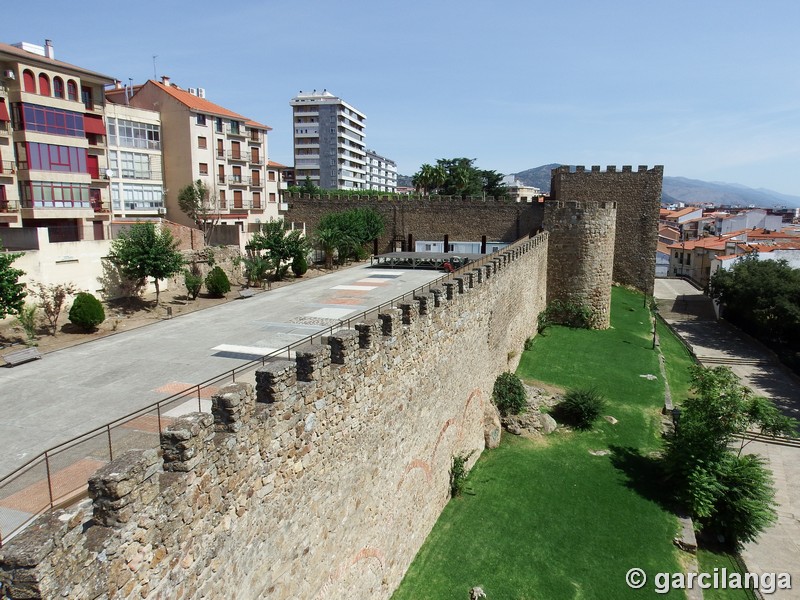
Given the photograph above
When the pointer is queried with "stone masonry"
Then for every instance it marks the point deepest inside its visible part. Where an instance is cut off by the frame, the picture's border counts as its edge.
(581, 255)
(638, 198)
(323, 482)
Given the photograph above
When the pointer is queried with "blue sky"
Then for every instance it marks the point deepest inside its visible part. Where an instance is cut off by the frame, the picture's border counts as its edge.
(709, 89)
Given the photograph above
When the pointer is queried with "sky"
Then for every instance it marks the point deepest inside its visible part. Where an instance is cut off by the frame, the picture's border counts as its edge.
(709, 89)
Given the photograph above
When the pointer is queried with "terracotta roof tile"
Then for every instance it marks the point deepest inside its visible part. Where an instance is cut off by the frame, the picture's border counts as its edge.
(204, 106)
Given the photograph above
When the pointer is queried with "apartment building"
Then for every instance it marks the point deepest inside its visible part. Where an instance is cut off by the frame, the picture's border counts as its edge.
(329, 144)
(135, 172)
(224, 149)
(381, 172)
(53, 156)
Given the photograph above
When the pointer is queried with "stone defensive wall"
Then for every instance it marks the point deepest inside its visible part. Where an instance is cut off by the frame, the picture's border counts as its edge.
(427, 217)
(638, 197)
(322, 482)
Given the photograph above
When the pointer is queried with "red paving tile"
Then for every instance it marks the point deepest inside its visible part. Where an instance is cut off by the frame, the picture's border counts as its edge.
(148, 423)
(176, 387)
(68, 482)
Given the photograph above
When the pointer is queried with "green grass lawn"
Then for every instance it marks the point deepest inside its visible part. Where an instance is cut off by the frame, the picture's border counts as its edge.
(548, 520)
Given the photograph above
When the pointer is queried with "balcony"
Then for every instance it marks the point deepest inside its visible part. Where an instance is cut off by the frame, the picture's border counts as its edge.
(7, 169)
(236, 131)
(256, 159)
(255, 137)
(256, 182)
(5, 128)
(238, 155)
(236, 180)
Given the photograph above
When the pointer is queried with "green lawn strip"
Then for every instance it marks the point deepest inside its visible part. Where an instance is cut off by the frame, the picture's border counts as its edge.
(548, 519)
(709, 560)
(678, 361)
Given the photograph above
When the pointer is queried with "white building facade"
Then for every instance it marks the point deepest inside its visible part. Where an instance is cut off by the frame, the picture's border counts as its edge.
(381, 173)
(329, 146)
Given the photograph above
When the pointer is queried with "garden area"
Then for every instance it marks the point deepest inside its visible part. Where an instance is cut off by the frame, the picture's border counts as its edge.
(567, 515)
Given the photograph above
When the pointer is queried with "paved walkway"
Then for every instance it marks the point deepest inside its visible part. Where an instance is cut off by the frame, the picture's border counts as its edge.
(716, 343)
(72, 391)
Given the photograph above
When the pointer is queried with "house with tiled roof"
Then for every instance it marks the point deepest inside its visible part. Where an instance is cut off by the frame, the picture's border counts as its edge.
(225, 150)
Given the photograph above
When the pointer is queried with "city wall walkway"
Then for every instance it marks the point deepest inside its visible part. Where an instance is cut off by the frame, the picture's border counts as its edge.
(715, 343)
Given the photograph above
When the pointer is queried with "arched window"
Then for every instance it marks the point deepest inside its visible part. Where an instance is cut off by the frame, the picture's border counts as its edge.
(44, 84)
(58, 87)
(72, 90)
(28, 81)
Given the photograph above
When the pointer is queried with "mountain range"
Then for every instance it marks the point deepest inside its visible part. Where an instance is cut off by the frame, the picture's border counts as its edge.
(676, 189)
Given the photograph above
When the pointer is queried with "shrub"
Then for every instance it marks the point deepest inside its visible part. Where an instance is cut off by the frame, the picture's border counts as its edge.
(458, 474)
(565, 312)
(87, 312)
(193, 283)
(509, 394)
(580, 408)
(217, 283)
(27, 320)
(529, 344)
(299, 265)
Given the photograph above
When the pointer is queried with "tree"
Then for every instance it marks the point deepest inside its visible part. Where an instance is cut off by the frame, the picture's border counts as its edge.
(87, 312)
(725, 491)
(12, 292)
(142, 252)
(51, 300)
(458, 177)
(356, 227)
(763, 298)
(279, 247)
(328, 239)
(198, 203)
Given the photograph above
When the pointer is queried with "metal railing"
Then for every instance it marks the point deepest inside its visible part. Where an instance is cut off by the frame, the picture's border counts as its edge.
(58, 477)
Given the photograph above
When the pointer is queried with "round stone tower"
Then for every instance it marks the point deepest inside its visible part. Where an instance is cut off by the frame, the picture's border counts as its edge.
(581, 255)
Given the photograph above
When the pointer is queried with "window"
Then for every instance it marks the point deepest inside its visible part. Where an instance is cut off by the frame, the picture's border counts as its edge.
(271, 175)
(202, 142)
(50, 120)
(72, 90)
(256, 199)
(235, 127)
(86, 97)
(237, 175)
(255, 177)
(133, 134)
(55, 194)
(58, 87)
(218, 124)
(272, 196)
(44, 84)
(237, 199)
(203, 168)
(201, 119)
(222, 199)
(130, 165)
(221, 173)
(28, 81)
(137, 196)
(49, 157)
(220, 149)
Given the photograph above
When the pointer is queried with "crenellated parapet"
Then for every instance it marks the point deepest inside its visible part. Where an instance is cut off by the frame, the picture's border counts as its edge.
(637, 194)
(322, 480)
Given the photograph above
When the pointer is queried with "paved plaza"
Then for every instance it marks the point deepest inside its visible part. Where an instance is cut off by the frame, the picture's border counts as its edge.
(715, 343)
(74, 390)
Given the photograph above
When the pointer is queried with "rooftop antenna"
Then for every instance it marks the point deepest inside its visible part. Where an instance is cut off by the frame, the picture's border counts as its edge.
(155, 56)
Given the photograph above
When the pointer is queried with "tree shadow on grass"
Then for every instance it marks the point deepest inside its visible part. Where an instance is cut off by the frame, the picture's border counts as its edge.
(645, 476)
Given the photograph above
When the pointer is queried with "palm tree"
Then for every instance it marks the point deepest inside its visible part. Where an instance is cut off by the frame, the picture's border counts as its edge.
(438, 177)
(328, 240)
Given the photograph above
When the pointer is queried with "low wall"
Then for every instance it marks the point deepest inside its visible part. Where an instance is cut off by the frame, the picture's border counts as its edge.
(322, 483)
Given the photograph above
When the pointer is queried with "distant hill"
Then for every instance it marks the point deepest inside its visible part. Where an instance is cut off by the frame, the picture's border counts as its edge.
(681, 189)
(404, 181)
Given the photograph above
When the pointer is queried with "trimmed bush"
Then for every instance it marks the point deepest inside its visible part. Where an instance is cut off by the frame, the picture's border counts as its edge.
(87, 312)
(580, 408)
(564, 312)
(217, 283)
(509, 394)
(299, 265)
(193, 283)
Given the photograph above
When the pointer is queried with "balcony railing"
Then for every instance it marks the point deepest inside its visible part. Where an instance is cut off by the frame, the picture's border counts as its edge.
(256, 160)
(7, 168)
(254, 137)
(237, 131)
(238, 155)
(236, 180)
(5, 128)
(256, 181)
(8, 206)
